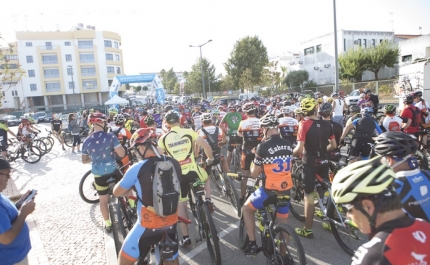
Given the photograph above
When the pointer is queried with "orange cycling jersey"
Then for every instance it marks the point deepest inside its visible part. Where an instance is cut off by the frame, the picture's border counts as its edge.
(274, 155)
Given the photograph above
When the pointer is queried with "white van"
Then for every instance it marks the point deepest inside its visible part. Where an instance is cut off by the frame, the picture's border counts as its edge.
(244, 96)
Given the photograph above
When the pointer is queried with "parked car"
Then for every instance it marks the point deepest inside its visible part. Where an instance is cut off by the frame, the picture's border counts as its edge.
(48, 117)
(11, 120)
(353, 98)
(39, 116)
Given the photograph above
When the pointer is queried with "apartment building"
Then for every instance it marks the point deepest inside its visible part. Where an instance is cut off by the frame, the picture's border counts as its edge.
(68, 69)
(12, 93)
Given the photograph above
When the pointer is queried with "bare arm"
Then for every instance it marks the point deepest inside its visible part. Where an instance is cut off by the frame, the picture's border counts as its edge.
(120, 151)
(13, 134)
(9, 236)
(332, 145)
(407, 124)
(86, 159)
(346, 131)
(120, 191)
(299, 148)
(255, 171)
(206, 147)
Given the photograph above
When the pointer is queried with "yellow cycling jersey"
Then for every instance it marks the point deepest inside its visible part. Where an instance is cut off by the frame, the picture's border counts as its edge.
(128, 124)
(3, 127)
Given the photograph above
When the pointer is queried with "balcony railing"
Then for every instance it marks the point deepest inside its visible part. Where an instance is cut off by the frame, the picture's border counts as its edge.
(57, 89)
(89, 87)
(86, 46)
(87, 60)
(50, 62)
(52, 76)
(48, 47)
(89, 74)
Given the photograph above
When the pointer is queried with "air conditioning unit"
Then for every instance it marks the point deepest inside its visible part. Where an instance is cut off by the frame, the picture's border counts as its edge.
(93, 27)
(80, 25)
(88, 27)
(327, 65)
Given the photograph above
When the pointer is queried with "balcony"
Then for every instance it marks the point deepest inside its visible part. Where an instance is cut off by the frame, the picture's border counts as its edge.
(52, 76)
(50, 62)
(90, 87)
(47, 48)
(51, 90)
(89, 74)
(82, 47)
(87, 61)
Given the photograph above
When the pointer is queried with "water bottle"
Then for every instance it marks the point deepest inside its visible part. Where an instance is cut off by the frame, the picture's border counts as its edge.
(325, 198)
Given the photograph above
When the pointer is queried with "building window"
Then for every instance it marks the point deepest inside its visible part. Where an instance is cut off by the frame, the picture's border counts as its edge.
(109, 57)
(110, 82)
(9, 66)
(68, 57)
(319, 48)
(28, 44)
(49, 59)
(116, 44)
(31, 73)
(110, 70)
(310, 50)
(53, 87)
(86, 57)
(118, 70)
(69, 71)
(33, 87)
(407, 58)
(359, 42)
(380, 41)
(117, 57)
(48, 45)
(85, 44)
(373, 42)
(365, 43)
(11, 57)
(67, 43)
(29, 59)
(89, 84)
(71, 85)
(14, 93)
(88, 71)
(51, 73)
(108, 43)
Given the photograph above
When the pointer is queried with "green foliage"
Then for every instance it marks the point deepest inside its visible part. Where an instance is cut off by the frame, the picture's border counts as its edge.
(193, 78)
(168, 79)
(248, 53)
(311, 83)
(145, 88)
(137, 88)
(352, 65)
(296, 78)
(384, 89)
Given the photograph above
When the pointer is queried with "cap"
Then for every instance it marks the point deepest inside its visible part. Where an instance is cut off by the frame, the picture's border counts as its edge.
(4, 164)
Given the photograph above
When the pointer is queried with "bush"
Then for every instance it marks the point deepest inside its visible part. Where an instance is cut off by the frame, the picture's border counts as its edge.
(384, 89)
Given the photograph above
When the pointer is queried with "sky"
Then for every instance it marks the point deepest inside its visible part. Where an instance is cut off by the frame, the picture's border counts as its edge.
(156, 34)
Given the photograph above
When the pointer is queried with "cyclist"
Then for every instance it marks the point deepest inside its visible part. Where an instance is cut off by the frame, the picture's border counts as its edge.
(215, 138)
(249, 130)
(123, 136)
(232, 120)
(273, 159)
(110, 122)
(338, 107)
(56, 127)
(299, 115)
(25, 129)
(100, 149)
(391, 122)
(140, 176)
(216, 119)
(3, 137)
(325, 111)
(195, 117)
(366, 190)
(312, 138)
(179, 144)
(355, 111)
(411, 182)
(374, 99)
(364, 131)
(288, 125)
(413, 114)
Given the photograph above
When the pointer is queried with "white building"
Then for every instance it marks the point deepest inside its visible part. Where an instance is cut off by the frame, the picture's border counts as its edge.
(51, 59)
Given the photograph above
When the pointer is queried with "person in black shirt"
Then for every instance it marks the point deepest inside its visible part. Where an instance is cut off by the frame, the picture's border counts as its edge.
(3, 137)
(325, 111)
(374, 99)
(57, 126)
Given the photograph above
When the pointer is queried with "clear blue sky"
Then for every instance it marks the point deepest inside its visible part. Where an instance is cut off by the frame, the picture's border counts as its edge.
(156, 34)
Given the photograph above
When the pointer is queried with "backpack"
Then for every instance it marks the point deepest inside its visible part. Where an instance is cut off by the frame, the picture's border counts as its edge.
(416, 116)
(69, 127)
(166, 188)
(212, 138)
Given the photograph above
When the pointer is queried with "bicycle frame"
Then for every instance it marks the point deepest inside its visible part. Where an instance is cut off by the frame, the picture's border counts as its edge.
(197, 188)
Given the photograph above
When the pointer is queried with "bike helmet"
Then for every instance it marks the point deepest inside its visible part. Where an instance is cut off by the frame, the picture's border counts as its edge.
(367, 112)
(367, 91)
(119, 119)
(354, 109)
(216, 112)
(167, 108)
(330, 100)
(206, 117)
(417, 94)
(287, 103)
(267, 101)
(361, 179)
(325, 109)
(113, 110)
(334, 94)
(252, 98)
(395, 144)
(269, 120)
(389, 109)
(287, 110)
(24, 120)
(172, 117)
(409, 99)
(308, 105)
(298, 111)
(126, 116)
(142, 136)
(97, 117)
(149, 118)
(248, 107)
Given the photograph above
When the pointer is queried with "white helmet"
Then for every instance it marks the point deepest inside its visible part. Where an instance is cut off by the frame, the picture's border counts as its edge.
(206, 117)
(288, 110)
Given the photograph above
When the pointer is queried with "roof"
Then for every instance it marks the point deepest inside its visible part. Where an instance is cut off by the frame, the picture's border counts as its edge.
(406, 36)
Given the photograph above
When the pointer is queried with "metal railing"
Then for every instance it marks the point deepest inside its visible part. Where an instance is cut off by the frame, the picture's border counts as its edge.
(49, 61)
(48, 47)
(50, 90)
(86, 46)
(87, 60)
(89, 87)
(52, 76)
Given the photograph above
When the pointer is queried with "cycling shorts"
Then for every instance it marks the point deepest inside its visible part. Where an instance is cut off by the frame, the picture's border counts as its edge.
(189, 178)
(3, 146)
(309, 176)
(101, 182)
(360, 146)
(247, 158)
(140, 239)
(264, 197)
(233, 140)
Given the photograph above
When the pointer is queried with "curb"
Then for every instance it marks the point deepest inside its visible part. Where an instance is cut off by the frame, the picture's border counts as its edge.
(110, 249)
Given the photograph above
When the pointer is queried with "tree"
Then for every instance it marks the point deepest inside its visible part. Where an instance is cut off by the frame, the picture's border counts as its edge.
(145, 88)
(296, 78)
(168, 79)
(248, 53)
(193, 83)
(137, 88)
(352, 65)
(383, 55)
(10, 73)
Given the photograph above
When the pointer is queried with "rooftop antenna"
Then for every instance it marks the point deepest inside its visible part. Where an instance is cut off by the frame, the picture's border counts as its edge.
(421, 30)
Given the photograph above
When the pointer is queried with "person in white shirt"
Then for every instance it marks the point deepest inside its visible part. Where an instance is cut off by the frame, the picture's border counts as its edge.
(338, 107)
(391, 122)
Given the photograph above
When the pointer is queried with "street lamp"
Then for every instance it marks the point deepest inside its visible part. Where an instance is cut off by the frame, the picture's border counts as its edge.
(201, 64)
(336, 61)
(73, 85)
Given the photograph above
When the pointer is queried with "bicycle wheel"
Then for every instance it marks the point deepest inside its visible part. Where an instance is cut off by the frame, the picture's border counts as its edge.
(212, 240)
(41, 145)
(422, 160)
(48, 143)
(68, 139)
(288, 247)
(348, 237)
(232, 194)
(87, 188)
(31, 154)
(125, 218)
(297, 202)
(51, 139)
(243, 235)
(234, 159)
(216, 178)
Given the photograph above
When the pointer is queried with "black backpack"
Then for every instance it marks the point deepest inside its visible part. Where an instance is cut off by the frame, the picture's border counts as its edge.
(212, 139)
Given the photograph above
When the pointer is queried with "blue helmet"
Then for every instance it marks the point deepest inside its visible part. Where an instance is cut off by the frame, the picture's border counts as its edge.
(367, 112)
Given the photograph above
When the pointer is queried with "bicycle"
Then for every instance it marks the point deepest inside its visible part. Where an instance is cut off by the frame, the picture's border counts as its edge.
(275, 238)
(343, 229)
(236, 153)
(204, 221)
(68, 137)
(29, 153)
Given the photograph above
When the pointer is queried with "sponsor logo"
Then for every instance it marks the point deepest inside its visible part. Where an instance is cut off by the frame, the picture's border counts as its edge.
(272, 150)
(419, 201)
(417, 179)
(184, 141)
(423, 190)
(420, 236)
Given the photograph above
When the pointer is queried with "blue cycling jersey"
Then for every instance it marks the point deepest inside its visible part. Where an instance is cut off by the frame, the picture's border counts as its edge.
(413, 187)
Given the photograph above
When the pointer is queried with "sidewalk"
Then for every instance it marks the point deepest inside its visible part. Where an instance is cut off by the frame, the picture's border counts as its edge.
(37, 255)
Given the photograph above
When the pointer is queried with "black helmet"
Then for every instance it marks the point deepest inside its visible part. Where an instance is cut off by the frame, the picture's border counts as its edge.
(417, 94)
(252, 98)
(172, 117)
(395, 144)
(367, 91)
(409, 99)
(354, 109)
(325, 109)
(167, 108)
(287, 103)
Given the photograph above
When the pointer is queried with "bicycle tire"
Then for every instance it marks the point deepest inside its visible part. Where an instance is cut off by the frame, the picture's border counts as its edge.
(41, 145)
(296, 254)
(243, 235)
(48, 143)
(232, 194)
(337, 233)
(32, 151)
(193, 205)
(68, 139)
(51, 139)
(92, 189)
(297, 206)
(215, 176)
(124, 220)
(211, 234)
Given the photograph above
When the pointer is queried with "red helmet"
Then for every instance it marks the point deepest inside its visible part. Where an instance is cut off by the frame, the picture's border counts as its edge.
(143, 135)
(97, 117)
(25, 120)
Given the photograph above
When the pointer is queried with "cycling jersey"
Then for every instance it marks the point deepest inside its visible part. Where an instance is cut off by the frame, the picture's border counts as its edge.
(56, 124)
(128, 124)
(209, 131)
(288, 128)
(196, 120)
(250, 128)
(334, 155)
(233, 120)
(400, 241)
(414, 114)
(352, 118)
(413, 187)
(365, 127)
(392, 123)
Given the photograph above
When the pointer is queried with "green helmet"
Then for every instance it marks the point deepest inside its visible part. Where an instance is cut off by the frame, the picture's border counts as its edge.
(113, 110)
(389, 109)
